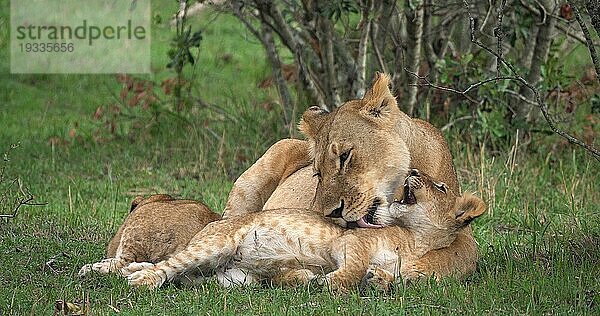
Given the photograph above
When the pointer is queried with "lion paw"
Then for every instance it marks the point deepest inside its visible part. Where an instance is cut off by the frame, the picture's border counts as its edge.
(145, 278)
(84, 270)
(106, 266)
(135, 267)
(103, 267)
(378, 279)
(412, 273)
(333, 282)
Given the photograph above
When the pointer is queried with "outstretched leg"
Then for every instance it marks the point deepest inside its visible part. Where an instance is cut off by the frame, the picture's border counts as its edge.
(459, 259)
(116, 262)
(211, 248)
(293, 277)
(254, 187)
(108, 265)
(377, 278)
(352, 260)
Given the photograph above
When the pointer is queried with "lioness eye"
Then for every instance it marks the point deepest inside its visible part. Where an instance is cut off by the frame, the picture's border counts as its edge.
(440, 187)
(344, 157)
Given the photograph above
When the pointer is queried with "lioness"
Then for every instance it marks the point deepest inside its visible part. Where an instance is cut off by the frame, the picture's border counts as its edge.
(360, 153)
(290, 246)
(355, 157)
(156, 228)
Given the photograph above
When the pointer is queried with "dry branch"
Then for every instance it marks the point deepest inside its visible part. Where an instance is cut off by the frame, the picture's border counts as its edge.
(540, 103)
(25, 198)
(588, 37)
(593, 8)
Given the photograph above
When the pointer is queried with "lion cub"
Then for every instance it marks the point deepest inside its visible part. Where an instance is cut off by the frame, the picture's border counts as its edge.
(155, 229)
(433, 215)
(288, 246)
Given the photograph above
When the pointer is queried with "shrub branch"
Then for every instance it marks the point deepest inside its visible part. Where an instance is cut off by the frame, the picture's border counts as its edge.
(588, 38)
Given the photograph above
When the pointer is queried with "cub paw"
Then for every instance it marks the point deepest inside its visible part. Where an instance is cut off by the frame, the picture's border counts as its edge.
(84, 270)
(333, 282)
(106, 266)
(412, 274)
(135, 267)
(295, 277)
(145, 278)
(103, 267)
(377, 279)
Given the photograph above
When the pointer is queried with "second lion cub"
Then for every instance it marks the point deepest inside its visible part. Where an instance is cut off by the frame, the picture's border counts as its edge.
(156, 228)
(288, 246)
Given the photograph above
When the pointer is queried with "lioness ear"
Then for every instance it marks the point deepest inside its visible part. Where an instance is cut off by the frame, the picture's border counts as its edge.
(379, 101)
(312, 121)
(467, 208)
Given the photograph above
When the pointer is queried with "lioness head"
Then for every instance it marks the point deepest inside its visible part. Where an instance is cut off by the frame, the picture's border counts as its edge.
(359, 155)
(430, 209)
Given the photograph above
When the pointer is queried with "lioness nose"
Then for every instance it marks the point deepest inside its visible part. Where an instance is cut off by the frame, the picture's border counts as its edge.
(337, 213)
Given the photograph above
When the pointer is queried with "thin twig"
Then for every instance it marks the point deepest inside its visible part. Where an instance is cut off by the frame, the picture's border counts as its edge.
(499, 34)
(464, 92)
(462, 118)
(588, 39)
(520, 97)
(540, 103)
(487, 16)
(23, 201)
(563, 28)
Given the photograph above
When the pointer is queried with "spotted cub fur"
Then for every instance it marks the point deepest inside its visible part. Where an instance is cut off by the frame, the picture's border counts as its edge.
(291, 246)
(156, 228)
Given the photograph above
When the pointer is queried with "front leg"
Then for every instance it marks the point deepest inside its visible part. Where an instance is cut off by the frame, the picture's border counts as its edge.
(293, 277)
(459, 259)
(109, 265)
(352, 256)
(378, 279)
(135, 266)
(254, 187)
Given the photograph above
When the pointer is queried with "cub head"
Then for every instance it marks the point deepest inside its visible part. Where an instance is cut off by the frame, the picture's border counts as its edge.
(430, 209)
(360, 157)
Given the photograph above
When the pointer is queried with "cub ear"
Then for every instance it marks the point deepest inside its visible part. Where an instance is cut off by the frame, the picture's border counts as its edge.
(140, 200)
(136, 201)
(312, 121)
(467, 208)
(379, 101)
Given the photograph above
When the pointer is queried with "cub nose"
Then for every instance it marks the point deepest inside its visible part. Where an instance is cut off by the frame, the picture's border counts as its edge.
(414, 173)
(337, 213)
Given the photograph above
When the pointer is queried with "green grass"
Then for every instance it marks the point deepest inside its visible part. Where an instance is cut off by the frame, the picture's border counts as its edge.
(539, 242)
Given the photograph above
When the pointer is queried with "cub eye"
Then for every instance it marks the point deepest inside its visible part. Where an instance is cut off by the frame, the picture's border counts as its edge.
(440, 187)
(344, 156)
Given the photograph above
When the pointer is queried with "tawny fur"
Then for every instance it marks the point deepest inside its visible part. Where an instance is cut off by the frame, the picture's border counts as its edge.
(155, 229)
(256, 185)
(437, 217)
(291, 246)
(381, 142)
(382, 137)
